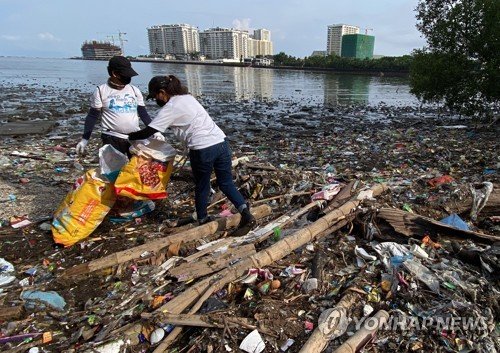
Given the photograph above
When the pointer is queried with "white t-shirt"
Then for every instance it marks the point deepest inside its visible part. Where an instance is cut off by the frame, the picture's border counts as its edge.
(119, 109)
(189, 121)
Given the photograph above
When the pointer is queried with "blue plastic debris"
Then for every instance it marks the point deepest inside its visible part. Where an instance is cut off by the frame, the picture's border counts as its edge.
(455, 221)
(40, 298)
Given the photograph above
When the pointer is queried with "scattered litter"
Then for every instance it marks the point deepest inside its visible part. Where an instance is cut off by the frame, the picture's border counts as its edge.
(253, 343)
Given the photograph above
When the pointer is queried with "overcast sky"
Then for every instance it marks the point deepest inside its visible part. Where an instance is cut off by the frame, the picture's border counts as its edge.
(57, 28)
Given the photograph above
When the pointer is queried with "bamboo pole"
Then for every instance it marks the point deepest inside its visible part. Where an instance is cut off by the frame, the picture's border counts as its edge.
(263, 258)
(210, 321)
(371, 325)
(158, 244)
(331, 324)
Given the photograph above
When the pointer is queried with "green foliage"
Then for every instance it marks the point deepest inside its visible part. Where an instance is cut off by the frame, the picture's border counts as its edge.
(395, 64)
(461, 64)
(282, 59)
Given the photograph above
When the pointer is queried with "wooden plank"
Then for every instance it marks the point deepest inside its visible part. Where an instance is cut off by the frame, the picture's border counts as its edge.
(158, 244)
(413, 225)
(211, 264)
(275, 252)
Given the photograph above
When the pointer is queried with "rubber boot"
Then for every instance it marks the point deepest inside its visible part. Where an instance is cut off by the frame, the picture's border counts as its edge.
(246, 224)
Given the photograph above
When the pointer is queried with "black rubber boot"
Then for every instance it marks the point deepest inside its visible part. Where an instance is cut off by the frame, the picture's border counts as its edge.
(206, 220)
(247, 222)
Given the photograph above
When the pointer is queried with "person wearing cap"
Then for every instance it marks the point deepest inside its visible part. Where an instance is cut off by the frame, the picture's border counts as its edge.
(119, 104)
(208, 148)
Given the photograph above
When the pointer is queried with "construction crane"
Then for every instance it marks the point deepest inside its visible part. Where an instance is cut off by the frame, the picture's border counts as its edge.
(368, 29)
(112, 38)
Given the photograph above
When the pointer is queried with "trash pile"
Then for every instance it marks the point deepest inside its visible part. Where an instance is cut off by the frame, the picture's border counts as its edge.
(378, 229)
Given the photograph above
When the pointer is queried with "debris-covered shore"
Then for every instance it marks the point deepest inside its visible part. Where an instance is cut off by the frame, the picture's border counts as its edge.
(375, 252)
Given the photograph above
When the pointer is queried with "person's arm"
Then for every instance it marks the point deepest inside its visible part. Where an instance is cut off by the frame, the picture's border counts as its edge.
(142, 134)
(90, 121)
(143, 114)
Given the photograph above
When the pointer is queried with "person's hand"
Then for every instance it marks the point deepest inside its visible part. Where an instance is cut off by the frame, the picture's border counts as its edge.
(80, 147)
(158, 136)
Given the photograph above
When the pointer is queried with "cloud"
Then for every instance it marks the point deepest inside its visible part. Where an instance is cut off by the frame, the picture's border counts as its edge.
(10, 38)
(48, 37)
(243, 24)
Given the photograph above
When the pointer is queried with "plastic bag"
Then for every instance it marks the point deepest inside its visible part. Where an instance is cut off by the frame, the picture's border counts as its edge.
(327, 193)
(455, 221)
(126, 209)
(481, 197)
(111, 161)
(144, 179)
(155, 149)
(423, 274)
(83, 208)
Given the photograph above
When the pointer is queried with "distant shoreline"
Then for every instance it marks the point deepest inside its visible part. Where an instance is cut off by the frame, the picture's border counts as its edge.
(320, 69)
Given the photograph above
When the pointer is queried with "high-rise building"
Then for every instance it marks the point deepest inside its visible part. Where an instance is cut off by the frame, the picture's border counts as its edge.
(224, 43)
(334, 37)
(262, 34)
(260, 43)
(358, 46)
(176, 39)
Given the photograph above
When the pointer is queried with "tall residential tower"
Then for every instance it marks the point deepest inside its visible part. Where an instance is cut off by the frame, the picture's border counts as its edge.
(224, 43)
(260, 43)
(176, 39)
(334, 38)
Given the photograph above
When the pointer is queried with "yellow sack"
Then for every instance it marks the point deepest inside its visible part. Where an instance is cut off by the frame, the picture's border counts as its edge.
(83, 209)
(144, 179)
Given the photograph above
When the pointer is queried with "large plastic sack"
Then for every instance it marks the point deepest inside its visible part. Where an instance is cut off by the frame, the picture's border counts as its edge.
(111, 162)
(155, 149)
(144, 179)
(83, 208)
(147, 174)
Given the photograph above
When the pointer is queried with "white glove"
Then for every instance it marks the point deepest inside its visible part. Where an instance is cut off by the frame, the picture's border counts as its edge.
(158, 136)
(80, 148)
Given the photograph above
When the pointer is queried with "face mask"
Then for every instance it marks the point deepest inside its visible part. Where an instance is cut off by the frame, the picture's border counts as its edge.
(160, 102)
(125, 80)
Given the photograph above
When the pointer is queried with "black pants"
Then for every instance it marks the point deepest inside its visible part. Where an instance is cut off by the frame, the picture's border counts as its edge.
(120, 144)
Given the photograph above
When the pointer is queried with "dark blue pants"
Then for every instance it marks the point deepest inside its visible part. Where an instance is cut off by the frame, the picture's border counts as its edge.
(214, 158)
(120, 144)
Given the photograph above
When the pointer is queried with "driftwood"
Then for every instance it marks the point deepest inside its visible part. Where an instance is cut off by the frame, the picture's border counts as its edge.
(492, 207)
(188, 271)
(331, 322)
(357, 341)
(413, 225)
(344, 194)
(263, 258)
(158, 244)
(257, 235)
(208, 320)
(260, 166)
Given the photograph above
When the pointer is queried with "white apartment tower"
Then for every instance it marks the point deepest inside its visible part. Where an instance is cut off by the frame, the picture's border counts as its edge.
(176, 39)
(260, 43)
(262, 34)
(224, 43)
(334, 38)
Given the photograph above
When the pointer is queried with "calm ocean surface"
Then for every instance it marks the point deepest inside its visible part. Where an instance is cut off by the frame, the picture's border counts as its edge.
(213, 81)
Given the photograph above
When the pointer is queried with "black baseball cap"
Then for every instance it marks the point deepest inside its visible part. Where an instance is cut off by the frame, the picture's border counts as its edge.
(121, 65)
(155, 84)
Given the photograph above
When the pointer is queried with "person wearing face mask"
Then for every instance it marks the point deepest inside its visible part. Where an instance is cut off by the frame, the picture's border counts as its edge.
(120, 105)
(208, 148)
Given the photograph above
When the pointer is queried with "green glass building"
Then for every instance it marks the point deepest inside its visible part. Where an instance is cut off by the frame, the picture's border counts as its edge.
(358, 46)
